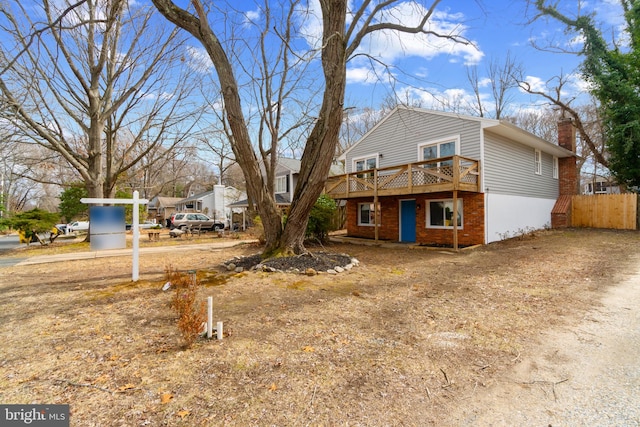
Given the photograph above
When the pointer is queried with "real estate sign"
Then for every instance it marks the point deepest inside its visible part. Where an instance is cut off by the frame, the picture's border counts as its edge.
(107, 227)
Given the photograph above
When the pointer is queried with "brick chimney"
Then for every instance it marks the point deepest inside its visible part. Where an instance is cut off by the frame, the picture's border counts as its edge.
(568, 172)
(568, 183)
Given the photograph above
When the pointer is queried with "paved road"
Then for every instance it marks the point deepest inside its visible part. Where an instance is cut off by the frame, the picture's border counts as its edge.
(42, 259)
(8, 242)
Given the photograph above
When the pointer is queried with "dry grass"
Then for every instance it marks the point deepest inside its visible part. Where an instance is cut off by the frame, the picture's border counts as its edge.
(402, 339)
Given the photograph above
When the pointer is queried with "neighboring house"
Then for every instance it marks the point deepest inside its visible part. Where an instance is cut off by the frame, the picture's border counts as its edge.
(600, 186)
(215, 203)
(160, 208)
(438, 178)
(285, 181)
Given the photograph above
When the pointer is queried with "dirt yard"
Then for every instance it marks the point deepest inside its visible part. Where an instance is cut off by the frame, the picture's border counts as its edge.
(408, 337)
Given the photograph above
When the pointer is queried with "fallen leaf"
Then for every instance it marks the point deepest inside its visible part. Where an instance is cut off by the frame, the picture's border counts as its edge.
(165, 398)
(106, 337)
(126, 387)
(273, 387)
(183, 413)
(308, 349)
(101, 379)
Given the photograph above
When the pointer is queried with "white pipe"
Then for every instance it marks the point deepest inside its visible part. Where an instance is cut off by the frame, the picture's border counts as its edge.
(209, 317)
(136, 237)
(219, 330)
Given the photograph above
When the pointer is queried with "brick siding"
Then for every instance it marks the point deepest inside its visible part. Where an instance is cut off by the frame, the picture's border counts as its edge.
(472, 232)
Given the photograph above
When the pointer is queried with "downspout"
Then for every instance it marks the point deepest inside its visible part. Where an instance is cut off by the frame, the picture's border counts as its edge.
(481, 187)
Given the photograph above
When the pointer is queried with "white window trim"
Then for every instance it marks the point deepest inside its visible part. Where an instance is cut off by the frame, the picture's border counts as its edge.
(282, 178)
(443, 227)
(375, 156)
(359, 217)
(556, 167)
(454, 138)
(537, 158)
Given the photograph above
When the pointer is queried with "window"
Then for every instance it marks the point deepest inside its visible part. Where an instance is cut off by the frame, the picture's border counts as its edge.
(281, 184)
(366, 214)
(555, 167)
(538, 161)
(365, 163)
(436, 149)
(440, 213)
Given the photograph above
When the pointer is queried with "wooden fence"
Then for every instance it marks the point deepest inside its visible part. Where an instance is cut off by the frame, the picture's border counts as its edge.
(619, 211)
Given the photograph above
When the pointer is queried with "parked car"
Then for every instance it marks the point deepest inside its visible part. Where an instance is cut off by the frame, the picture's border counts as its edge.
(193, 220)
(78, 226)
(143, 225)
(62, 228)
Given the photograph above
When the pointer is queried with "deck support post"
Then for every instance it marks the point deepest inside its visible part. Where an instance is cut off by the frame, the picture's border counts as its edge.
(375, 204)
(455, 220)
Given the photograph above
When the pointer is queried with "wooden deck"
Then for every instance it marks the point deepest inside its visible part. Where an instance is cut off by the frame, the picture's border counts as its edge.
(444, 174)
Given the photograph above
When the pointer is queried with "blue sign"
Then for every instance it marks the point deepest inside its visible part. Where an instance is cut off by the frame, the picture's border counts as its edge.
(107, 227)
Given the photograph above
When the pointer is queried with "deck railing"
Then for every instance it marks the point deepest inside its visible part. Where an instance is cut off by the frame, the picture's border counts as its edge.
(429, 176)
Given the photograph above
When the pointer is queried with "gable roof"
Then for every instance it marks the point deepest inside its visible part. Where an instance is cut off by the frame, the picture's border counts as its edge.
(280, 201)
(498, 127)
(197, 196)
(166, 202)
(290, 165)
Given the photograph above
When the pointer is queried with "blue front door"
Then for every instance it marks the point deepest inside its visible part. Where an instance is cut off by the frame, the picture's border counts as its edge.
(407, 220)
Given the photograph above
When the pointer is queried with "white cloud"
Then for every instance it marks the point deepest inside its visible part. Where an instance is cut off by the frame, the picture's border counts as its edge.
(391, 45)
(455, 99)
(199, 60)
(361, 75)
(486, 82)
(536, 83)
(252, 16)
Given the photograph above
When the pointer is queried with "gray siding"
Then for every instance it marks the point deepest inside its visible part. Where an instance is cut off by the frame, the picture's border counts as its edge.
(398, 137)
(509, 168)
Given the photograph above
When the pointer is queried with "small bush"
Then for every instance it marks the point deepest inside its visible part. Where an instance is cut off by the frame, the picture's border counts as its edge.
(191, 315)
(321, 218)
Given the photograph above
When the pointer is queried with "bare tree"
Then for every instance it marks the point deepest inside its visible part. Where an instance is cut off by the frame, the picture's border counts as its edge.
(589, 130)
(500, 80)
(94, 82)
(339, 42)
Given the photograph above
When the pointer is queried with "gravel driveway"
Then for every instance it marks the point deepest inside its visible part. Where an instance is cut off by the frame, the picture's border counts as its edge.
(584, 375)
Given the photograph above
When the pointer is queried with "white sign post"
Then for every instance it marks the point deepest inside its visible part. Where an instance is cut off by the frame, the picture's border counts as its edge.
(136, 202)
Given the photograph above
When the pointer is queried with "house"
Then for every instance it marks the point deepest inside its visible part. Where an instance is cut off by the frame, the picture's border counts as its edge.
(215, 203)
(285, 181)
(600, 185)
(160, 208)
(436, 178)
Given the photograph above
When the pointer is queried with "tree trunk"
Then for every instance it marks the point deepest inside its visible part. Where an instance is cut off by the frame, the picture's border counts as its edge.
(321, 145)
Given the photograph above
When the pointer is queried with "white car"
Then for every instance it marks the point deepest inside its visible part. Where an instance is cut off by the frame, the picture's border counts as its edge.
(78, 226)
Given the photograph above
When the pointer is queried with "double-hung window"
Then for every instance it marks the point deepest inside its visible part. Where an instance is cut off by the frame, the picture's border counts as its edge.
(555, 167)
(364, 164)
(538, 161)
(281, 184)
(367, 214)
(441, 148)
(440, 213)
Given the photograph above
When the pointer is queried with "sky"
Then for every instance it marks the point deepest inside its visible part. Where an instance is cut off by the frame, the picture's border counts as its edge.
(497, 29)
(433, 71)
